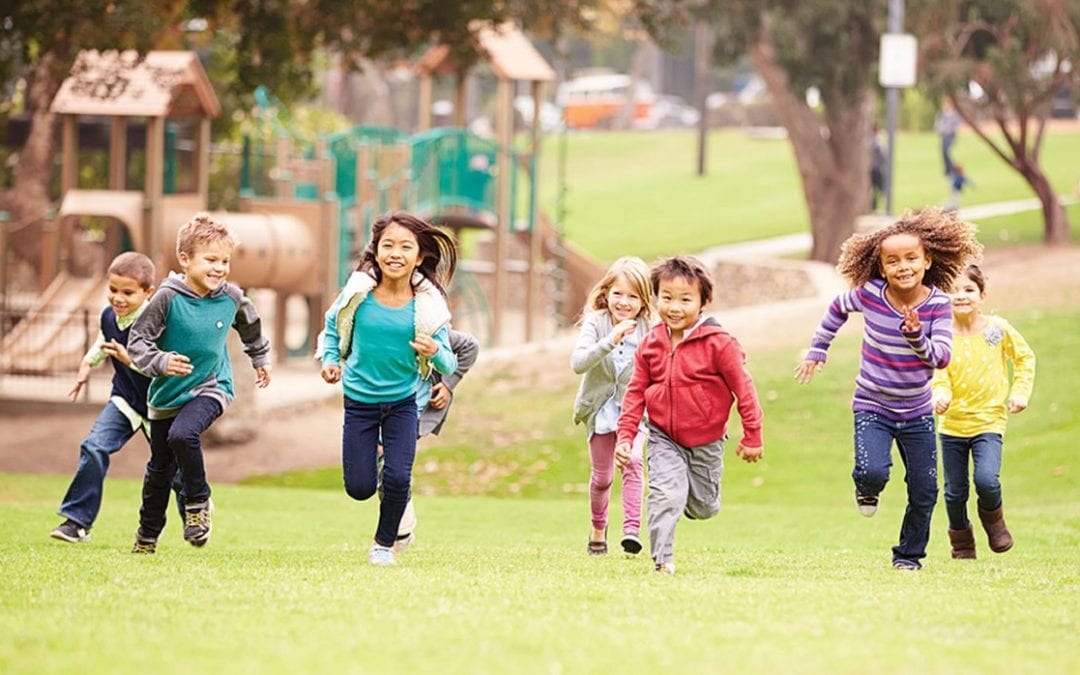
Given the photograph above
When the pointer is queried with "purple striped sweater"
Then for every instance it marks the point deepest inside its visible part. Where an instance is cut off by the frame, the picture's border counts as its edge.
(894, 368)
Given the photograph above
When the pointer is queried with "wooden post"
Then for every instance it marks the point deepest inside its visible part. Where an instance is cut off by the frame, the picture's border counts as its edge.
(460, 103)
(155, 186)
(283, 179)
(504, 132)
(424, 103)
(69, 172)
(202, 161)
(118, 153)
(532, 289)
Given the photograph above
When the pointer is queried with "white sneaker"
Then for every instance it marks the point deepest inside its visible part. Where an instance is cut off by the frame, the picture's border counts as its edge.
(665, 568)
(381, 556)
(408, 520)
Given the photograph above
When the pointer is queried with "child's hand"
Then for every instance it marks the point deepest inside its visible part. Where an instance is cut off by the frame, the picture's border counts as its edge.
(80, 381)
(749, 454)
(117, 351)
(331, 373)
(262, 376)
(1016, 405)
(804, 372)
(425, 345)
(440, 396)
(941, 404)
(178, 365)
(912, 323)
(621, 330)
(622, 454)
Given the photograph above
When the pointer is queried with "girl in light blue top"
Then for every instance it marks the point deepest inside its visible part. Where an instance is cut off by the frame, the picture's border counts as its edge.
(616, 318)
(385, 331)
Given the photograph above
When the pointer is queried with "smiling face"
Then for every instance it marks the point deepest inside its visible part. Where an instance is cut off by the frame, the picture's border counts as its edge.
(623, 300)
(967, 297)
(903, 262)
(679, 304)
(397, 253)
(126, 294)
(207, 266)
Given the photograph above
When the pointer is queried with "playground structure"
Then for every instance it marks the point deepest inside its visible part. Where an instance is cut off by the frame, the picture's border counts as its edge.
(306, 207)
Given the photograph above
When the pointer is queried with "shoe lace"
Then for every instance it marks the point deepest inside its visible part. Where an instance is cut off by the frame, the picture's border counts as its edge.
(144, 547)
(195, 518)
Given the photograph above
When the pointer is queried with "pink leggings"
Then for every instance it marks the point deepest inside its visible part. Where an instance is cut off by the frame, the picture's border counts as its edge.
(602, 454)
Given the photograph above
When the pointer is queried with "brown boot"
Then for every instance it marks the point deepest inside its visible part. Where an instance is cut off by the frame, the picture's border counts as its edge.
(994, 524)
(963, 543)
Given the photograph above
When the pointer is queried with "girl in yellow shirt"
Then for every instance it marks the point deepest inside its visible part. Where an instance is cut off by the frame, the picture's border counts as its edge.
(972, 396)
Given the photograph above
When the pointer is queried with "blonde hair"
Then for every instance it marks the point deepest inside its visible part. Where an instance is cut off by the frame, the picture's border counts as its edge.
(636, 273)
(202, 230)
(949, 242)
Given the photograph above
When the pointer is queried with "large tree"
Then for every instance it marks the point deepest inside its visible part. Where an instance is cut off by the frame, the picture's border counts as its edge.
(794, 45)
(1019, 53)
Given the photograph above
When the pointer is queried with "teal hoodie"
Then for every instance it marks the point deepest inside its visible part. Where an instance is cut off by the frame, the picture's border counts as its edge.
(178, 320)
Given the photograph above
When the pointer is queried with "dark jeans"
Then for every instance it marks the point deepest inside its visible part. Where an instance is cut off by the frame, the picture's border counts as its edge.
(365, 423)
(176, 443)
(985, 450)
(917, 445)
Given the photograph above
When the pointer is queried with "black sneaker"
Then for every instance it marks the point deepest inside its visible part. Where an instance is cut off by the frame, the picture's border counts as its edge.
(144, 545)
(631, 545)
(197, 523)
(867, 503)
(71, 532)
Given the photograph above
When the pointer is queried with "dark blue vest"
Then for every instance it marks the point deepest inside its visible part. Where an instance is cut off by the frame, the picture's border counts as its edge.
(126, 383)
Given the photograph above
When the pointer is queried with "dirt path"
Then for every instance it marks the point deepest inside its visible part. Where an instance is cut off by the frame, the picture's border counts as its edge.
(309, 435)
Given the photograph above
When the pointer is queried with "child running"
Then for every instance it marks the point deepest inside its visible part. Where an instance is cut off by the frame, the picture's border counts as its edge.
(896, 274)
(180, 341)
(383, 334)
(972, 397)
(688, 371)
(433, 400)
(131, 278)
(616, 318)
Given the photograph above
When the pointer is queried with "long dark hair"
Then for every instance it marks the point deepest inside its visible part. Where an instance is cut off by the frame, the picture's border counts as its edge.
(438, 251)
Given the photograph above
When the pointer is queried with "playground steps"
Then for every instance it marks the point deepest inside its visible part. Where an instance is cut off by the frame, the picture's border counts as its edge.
(56, 332)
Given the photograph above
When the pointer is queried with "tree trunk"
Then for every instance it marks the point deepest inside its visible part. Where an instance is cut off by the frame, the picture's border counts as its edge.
(29, 201)
(834, 166)
(1056, 231)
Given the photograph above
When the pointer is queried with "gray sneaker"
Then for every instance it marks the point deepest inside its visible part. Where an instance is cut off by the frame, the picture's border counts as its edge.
(197, 525)
(71, 532)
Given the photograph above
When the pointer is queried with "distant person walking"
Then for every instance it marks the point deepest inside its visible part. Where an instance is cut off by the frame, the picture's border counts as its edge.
(896, 274)
(878, 168)
(616, 318)
(946, 125)
(973, 397)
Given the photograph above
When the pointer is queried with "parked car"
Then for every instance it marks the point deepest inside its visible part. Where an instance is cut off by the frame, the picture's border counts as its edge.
(669, 112)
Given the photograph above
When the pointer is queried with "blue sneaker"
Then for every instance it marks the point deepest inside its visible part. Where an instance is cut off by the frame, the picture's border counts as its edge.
(381, 556)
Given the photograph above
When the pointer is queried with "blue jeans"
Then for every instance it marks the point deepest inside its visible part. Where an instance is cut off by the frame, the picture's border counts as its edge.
(985, 450)
(176, 443)
(365, 423)
(110, 432)
(917, 444)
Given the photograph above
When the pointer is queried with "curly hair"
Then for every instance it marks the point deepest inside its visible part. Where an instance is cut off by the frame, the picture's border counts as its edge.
(438, 251)
(949, 242)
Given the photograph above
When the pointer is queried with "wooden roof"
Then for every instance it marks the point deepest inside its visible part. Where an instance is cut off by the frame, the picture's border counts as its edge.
(162, 84)
(511, 55)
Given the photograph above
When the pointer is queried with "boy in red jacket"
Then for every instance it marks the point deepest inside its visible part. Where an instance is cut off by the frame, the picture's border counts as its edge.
(688, 371)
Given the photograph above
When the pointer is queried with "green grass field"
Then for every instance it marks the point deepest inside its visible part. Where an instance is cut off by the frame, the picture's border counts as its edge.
(787, 578)
(623, 188)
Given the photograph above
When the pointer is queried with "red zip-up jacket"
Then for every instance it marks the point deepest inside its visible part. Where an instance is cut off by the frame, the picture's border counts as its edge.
(688, 391)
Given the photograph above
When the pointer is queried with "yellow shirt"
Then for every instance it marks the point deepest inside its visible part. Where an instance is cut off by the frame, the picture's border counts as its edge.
(977, 378)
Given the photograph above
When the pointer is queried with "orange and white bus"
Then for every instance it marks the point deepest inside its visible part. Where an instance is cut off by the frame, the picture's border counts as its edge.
(592, 101)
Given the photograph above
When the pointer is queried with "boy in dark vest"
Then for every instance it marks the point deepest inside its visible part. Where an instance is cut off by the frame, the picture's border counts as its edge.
(131, 283)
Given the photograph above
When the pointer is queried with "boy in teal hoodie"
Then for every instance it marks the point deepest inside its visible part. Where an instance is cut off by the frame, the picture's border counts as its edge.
(180, 341)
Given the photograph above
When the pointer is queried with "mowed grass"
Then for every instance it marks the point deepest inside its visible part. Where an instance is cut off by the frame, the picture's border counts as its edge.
(787, 578)
(622, 189)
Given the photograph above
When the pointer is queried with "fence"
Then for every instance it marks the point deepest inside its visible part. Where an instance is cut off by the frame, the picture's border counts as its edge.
(40, 354)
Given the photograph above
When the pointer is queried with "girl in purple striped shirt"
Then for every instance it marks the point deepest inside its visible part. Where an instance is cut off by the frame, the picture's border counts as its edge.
(895, 274)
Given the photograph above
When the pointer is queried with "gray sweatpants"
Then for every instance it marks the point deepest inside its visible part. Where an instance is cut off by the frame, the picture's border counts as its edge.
(680, 479)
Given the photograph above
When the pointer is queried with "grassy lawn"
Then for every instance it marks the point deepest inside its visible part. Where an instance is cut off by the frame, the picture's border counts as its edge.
(623, 188)
(787, 578)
